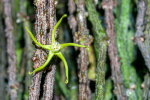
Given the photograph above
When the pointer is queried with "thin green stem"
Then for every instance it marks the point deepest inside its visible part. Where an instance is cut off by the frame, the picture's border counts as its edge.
(55, 27)
(73, 44)
(66, 65)
(36, 42)
(50, 55)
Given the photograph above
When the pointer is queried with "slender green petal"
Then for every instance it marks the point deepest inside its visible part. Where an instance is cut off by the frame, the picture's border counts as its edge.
(73, 44)
(50, 55)
(36, 42)
(55, 27)
(66, 65)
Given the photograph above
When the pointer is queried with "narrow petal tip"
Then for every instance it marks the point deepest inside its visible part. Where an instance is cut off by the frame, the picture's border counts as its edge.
(65, 15)
(87, 48)
(66, 82)
(30, 73)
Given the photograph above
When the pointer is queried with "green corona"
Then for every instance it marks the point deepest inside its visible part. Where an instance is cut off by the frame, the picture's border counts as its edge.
(54, 49)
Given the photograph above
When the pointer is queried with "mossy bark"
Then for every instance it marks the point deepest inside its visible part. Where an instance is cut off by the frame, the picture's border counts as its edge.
(125, 46)
(100, 46)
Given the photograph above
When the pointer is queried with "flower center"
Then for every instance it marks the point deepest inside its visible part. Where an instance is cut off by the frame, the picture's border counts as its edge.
(55, 47)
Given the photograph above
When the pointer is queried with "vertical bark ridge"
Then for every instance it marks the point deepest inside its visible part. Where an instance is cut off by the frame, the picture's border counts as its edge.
(39, 55)
(84, 38)
(112, 50)
(12, 83)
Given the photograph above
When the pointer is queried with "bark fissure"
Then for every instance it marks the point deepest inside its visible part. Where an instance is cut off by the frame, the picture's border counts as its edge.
(39, 55)
(50, 77)
(45, 19)
(112, 50)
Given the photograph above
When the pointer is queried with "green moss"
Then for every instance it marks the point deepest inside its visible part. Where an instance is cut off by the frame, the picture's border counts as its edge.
(125, 48)
(99, 46)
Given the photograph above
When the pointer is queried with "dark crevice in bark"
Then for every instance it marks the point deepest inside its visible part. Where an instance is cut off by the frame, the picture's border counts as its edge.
(45, 21)
(39, 55)
(139, 35)
(50, 77)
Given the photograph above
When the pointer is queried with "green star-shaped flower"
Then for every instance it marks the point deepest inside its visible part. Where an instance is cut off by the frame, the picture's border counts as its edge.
(54, 49)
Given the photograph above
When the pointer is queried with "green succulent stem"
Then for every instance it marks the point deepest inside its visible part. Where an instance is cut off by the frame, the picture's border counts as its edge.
(35, 41)
(55, 27)
(72, 44)
(54, 49)
(66, 65)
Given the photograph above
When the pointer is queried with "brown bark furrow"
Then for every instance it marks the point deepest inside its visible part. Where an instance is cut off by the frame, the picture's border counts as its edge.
(50, 77)
(71, 19)
(112, 50)
(49, 84)
(39, 55)
(51, 18)
(83, 33)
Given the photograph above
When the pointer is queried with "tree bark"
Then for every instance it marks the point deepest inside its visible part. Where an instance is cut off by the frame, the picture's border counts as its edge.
(100, 47)
(45, 19)
(139, 35)
(50, 77)
(112, 50)
(126, 49)
(39, 55)
(12, 83)
(84, 39)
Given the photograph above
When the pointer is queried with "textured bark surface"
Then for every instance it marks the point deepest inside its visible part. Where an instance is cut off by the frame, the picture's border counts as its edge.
(112, 50)
(12, 83)
(84, 39)
(82, 36)
(71, 19)
(45, 19)
(35, 87)
(139, 35)
(51, 18)
(39, 55)
(50, 77)
(49, 84)
(126, 48)
(146, 88)
(100, 47)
